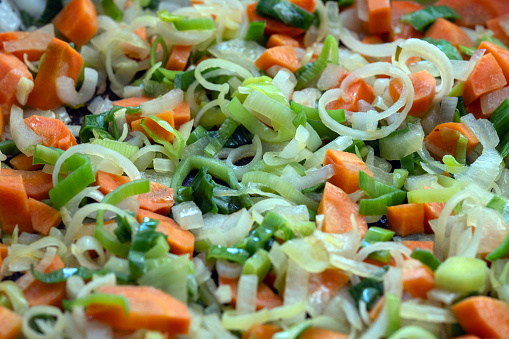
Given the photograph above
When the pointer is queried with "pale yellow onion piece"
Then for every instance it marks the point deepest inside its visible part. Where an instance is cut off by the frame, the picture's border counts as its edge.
(53, 329)
(24, 137)
(426, 313)
(25, 86)
(66, 90)
(246, 296)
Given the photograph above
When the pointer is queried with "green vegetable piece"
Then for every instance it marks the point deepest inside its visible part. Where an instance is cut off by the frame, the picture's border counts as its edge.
(8, 147)
(286, 12)
(311, 112)
(367, 290)
(98, 298)
(461, 274)
(501, 251)
(111, 10)
(425, 17)
(393, 303)
(309, 72)
(446, 47)
(234, 254)
(337, 114)
(426, 257)
(255, 31)
(224, 133)
(258, 264)
(345, 3)
(200, 24)
(466, 50)
(377, 234)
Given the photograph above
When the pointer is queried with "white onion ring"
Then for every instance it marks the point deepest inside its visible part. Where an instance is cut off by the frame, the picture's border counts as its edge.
(66, 90)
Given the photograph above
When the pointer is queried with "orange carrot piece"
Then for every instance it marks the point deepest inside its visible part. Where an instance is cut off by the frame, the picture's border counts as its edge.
(377, 308)
(109, 181)
(496, 25)
(475, 12)
(417, 279)
(33, 53)
(14, 204)
(379, 16)
(149, 308)
(77, 21)
(54, 132)
(486, 77)
(347, 166)
(60, 59)
(160, 199)
(2, 124)
(358, 90)
(39, 293)
(500, 54)
(424, 91)
(406, 219)
(178, 58)
(467, 336)
(337, 207)
(154, 126)
(432, 211)
(327, 283)
(308, 5)
(43, 217)
(181, 241)
(271, 26)
(4, 250)
(399, 29)
(283, 56)
(22, 162)
(483, 316)
(444, 141)
(12, 70)
(261, 331)
(265, 297)
(423, 244)
(10, 324)
(131, 102)
(181, 114)
(321, 333)
(281, 40)
(444, 29)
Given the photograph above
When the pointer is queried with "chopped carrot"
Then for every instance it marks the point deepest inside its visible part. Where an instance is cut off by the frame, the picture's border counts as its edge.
(444, 139)
(149, 308)
(23, 162)
(4, 250)
(406, 219)
(337, 207)
(60, 59)
(271, 26)
(265, 297)
(379, 16)
(14, 204)
(181, 241)
(347, 166)
(131, 102)
(160, 199)
(422, 244)
(141, 32)
(154, 126)
(496, 25)
(500, 54)
(404, 31)
(432, 211)
(327, 283)
(33, 52)
(483, 316)
(178, 57)
(417, 279)
(486, 77)
(308, 5)
(283, 56)
(2, 124)
(43, 217)
(444, 29)
(321, 333)
(261, 331)
(10, 324)
(424, 91)
(107, 182)
(281, 40)
(475, 12)
(372, 40)
(11, 71)
(400, 8)
(377, 308)
(54, 132)
(181, 114)
(358, 90)
(77, 21)
(39, 293)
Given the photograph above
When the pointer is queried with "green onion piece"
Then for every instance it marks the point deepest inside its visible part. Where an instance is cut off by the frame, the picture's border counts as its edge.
(144, 241)
(408, 163)
(15, 296)
(466, 50)
(491, 39)
(198, 133)
(255, 31)
(377, 234)
(285, 12)
(63, 274)
(170, 277)
(4, 302)
(166, 16)
(426, 257)
(393, 305)
(258, 264)
(337, 114)
(425, 17)
(225, 132)
(174, 149)
(124, 148)
(501, 251)
(159, 41)
(159, 248)
(461, 104)
(500, 118)
(372, 187)
(233, 254)
(399, 177)
(98, 299)
(378, 206)
(461, 274)
(497, 203)
(102, 122)
(184, 80)
(457, 90)
(323, 131)
(345, 3)
(200, 24)
(111, 10)
(311, 113)
(258, 237)
(461, 149)
(8, 147)
(402, 143)
(503, 146)
(310, 71)
(367, 290)
(445, 46)
(433, 195)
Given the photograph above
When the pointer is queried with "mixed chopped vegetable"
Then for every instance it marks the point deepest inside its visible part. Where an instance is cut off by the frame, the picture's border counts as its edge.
(273, 169)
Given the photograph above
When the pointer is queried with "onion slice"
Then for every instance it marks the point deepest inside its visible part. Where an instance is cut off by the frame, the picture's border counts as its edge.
(22, 134)
(66, 90)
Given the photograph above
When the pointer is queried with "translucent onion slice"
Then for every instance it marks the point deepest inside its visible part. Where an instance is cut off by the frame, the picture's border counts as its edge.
(66, 90)
(309, 253)
(46, 328)
(246, 296)
(227, 269)
(491, 101)
(426, 313)
(162, 104)
(24, 137)
(37, 40)
(188, 215)
(210, 63)
(25, 86)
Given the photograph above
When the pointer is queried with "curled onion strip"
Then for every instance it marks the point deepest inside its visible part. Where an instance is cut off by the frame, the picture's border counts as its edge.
(46, 329)
(66, 90)
(209, 63)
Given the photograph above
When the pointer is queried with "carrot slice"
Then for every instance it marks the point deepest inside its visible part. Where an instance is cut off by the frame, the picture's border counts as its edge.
(486, 77)
(181, 241)
(308, 5)
(445, 140)
(11, 71)
(424, 91)
(160, 199)
(337, 207)
(421, 244)
(483, 316)
(109, 181)
(406, 219)
(54, 132)
(77, 21)
(37, 183)
(33, 53)
(131, 102)
(444, 29)
(14, 204)
(379, 16)
(22, 162)
(181, 114)
(149, 308)
(4, 250)
(283, 56)
(496, 25)
(261, 331)
(327, 283)
(60, 59)
(43, 217)
(417, 279)
(271, 26)
(500, 54)
(281, 40)
(154, 126)
(39, 293)
(265, 297)
(10, 324)
(179, 57)
(347, 166)
(358, 90)
(321, 333)
(475, 12)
